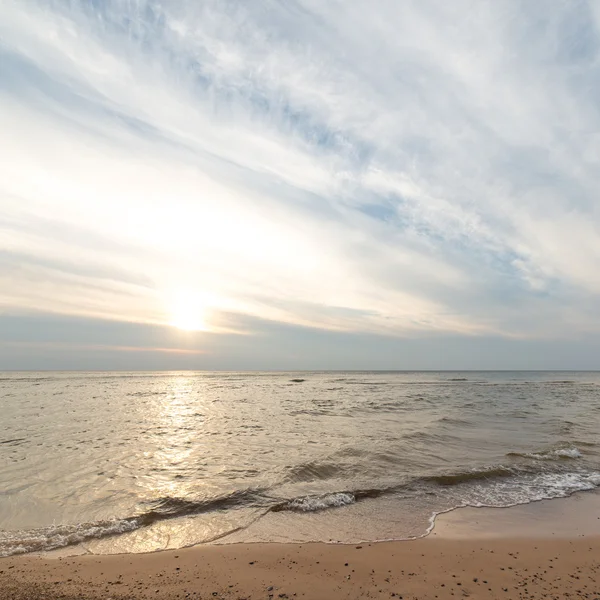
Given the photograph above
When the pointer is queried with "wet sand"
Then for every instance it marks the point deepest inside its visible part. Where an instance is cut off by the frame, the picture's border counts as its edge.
(454, 562)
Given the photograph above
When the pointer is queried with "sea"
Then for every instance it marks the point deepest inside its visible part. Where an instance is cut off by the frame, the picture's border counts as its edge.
(113, 462)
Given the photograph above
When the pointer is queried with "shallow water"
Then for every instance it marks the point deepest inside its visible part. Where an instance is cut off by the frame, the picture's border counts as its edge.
(109, 462)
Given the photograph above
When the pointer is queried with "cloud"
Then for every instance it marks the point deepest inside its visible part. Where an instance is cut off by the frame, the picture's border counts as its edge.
(401, 169)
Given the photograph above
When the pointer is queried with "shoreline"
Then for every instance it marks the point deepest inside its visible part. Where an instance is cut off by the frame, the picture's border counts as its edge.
(539, 550)
(469, 521)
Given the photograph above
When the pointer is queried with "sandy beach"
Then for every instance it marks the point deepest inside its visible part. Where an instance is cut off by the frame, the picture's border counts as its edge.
(555, 555)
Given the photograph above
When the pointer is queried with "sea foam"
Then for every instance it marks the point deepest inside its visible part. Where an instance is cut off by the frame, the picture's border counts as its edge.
(316, 503)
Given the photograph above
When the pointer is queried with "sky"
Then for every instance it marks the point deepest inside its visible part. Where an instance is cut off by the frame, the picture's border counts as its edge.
(299, 184)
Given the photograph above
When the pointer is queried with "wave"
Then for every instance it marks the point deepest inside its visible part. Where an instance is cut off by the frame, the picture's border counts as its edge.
(569, 452)
(173, 507)
(13, 442)
(454, 421)
(146, 394)
(497, 485)
(531, 488)
(314, 471)
(53, 537)
(59, 536)
(471, 475)
(316, 503)
(26, 379)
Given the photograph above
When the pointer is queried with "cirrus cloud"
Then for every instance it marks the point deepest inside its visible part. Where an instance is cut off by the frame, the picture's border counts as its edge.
(388, 168)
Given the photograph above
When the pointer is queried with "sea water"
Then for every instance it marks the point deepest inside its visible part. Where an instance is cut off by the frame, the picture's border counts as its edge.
(127, 462)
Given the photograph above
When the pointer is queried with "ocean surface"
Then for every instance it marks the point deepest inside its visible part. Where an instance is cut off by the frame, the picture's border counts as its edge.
(128, 462)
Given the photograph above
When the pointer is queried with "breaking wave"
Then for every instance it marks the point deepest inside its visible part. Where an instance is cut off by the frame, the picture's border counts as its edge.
(493, 486)
(59, 536)
(552, 454)
(316, 503)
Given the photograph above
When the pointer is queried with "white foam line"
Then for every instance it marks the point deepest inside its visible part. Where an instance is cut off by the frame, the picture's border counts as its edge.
(126, 526)
(432, 521)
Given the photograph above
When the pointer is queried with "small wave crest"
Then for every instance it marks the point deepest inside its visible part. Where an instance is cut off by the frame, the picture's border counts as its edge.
(13, 442)
(454, 421)
(59, 536)
(171, 507)
(570, 452)
(471, 475)
(531, 488)
(313, 471)
(316, 503)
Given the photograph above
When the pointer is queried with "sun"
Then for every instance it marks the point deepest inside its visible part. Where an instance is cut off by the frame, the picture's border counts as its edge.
(188, 313)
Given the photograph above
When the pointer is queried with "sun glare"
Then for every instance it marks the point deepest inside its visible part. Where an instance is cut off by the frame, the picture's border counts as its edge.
(189, 313)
